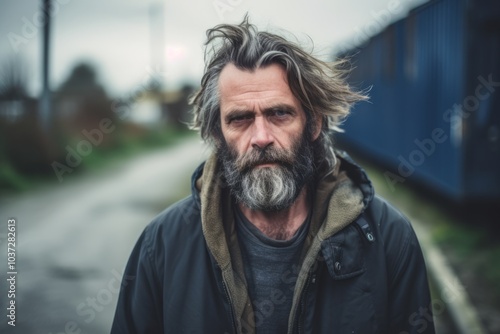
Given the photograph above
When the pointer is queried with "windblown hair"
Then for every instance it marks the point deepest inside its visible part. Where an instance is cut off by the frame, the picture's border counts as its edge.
(319, 86)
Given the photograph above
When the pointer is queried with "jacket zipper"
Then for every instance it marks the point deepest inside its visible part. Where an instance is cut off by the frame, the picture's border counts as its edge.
(231, 312)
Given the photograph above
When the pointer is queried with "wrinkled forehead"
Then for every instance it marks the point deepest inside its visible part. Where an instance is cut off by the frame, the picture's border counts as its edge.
(264, 85)
(233, 77)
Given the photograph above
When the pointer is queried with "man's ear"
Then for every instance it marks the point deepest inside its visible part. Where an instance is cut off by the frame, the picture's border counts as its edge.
(317, 125)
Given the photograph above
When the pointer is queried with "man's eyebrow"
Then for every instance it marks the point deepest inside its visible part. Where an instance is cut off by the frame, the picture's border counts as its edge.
(281, 107)
(237, 113)
(232, 114)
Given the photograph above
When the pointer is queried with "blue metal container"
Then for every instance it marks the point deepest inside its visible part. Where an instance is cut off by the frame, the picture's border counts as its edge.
(434, 110)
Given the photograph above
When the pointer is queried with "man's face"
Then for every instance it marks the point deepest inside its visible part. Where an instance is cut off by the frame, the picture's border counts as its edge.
(258, 108)
(266, 156)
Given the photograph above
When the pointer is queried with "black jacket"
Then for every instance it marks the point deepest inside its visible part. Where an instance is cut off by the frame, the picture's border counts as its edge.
(363, 271)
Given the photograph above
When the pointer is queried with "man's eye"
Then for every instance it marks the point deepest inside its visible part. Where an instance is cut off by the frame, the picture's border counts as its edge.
(241, 119)
(280, 113)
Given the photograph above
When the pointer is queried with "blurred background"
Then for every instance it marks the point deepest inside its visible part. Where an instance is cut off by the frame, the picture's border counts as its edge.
(94, 142)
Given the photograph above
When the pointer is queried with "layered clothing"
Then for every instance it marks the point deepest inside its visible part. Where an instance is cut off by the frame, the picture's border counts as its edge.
(361, 268)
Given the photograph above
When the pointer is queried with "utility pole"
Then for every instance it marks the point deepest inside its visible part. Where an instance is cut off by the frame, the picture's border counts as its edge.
(157, 44)
(45, 101)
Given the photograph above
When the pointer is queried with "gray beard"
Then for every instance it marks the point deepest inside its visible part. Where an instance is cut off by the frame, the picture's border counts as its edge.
(268, 189)
(273, 188)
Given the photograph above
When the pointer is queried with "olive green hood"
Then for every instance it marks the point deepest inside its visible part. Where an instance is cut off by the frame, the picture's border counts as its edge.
(338, 200)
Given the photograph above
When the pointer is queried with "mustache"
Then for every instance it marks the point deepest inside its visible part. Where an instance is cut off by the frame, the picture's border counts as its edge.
(267, 155)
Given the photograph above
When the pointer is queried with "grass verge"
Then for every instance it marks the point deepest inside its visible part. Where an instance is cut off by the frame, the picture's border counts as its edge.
(470, 247)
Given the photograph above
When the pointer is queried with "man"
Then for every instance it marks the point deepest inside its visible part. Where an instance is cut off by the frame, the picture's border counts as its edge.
(281, 234)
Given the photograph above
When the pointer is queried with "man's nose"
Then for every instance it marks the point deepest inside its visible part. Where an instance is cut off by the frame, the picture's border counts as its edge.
(261, 135)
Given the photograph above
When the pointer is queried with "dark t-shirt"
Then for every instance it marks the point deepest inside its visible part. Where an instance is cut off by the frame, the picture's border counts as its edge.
(271, 269)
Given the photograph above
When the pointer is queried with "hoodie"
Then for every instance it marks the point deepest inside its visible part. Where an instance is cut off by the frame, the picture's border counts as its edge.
(361, 270)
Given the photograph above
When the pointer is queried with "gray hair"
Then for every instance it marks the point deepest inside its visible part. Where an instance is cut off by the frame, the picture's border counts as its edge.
(319, 86)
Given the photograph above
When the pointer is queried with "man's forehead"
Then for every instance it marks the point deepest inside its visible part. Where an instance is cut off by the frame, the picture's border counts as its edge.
(261, 84)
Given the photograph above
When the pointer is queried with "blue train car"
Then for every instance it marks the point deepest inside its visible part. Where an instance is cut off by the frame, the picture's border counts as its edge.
(434, 110)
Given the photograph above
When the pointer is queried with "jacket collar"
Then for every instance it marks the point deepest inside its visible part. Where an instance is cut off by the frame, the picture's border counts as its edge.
(341, 195)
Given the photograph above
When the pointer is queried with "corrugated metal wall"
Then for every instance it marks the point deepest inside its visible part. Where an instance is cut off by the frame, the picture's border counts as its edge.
(417, 70)
(482, 165)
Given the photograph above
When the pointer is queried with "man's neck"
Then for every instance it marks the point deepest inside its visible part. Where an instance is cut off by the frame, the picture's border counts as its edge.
(280, 225)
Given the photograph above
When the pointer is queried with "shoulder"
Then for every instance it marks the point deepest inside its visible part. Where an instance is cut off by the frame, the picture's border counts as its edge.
(396, 233)
(181, 215)
(172, 229)
(391, 222)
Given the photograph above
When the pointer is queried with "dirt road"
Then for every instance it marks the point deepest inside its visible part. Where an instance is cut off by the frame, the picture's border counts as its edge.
(73, 240)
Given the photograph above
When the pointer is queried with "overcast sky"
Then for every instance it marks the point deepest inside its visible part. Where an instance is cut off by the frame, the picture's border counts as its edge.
(125, 39)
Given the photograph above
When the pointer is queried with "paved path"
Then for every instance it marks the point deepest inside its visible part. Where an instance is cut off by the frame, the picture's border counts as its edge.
(73, 240)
